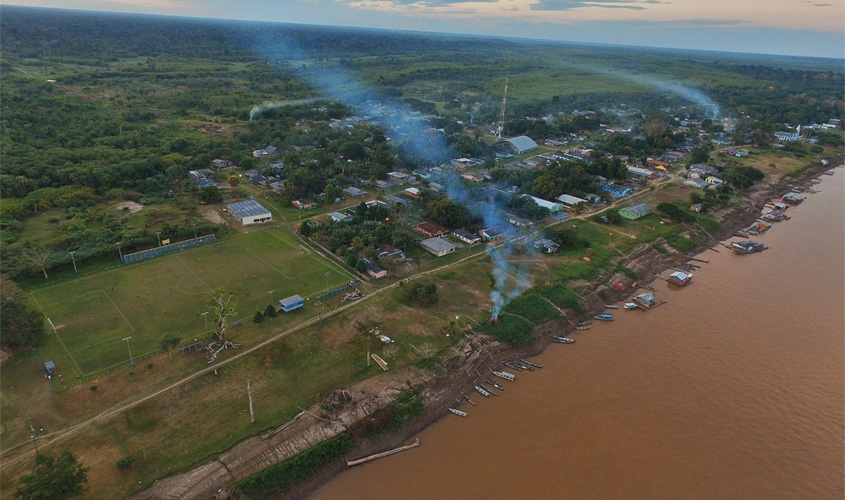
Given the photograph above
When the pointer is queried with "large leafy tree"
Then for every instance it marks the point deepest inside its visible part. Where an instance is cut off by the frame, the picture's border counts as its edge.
(54, 478)
(21, 326)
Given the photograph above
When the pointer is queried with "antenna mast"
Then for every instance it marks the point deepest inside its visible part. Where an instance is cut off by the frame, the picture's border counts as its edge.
(502, 115)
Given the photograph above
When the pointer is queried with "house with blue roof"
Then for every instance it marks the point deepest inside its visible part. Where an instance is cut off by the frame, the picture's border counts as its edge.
(616, 189)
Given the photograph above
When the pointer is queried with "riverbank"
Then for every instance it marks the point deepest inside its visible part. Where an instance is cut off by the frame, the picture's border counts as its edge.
(440, 386)
(647, 264)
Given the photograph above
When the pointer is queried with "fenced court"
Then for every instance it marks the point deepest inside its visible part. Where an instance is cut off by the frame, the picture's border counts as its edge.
(93, 315)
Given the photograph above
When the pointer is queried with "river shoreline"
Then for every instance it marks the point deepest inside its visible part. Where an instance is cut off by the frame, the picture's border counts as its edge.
(443, 391)
(439, 390)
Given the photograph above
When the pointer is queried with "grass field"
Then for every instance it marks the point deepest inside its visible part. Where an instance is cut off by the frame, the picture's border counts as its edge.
(93, 315)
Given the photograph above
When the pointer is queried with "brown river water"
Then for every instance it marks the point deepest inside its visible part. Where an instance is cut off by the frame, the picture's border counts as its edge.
(731, 390)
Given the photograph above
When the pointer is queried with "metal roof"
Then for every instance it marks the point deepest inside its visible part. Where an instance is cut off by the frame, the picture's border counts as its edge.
(522, 143)
(569, 199)
(640, 209)
(290, 301)
(438, 245)
(248, 208)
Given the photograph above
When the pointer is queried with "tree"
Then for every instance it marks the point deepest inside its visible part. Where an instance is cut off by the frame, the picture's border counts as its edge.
(352, 261)
(258, 318)
(234, 180)
(223, 305)
(125, 462)
(21, 326)
(54, 478)
(361, 267)
(38, 256)
(305, 229)
(210, 195)
(167, 342)
(270, 311)
(332, 193)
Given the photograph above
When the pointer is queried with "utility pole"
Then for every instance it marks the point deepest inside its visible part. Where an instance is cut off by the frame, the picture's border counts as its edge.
(74, 262)
(270, 293)
(34, 436)
(158, 235)
(119, 252)
(131, 361)
(195, 230)
(327, 281)
(205, 317)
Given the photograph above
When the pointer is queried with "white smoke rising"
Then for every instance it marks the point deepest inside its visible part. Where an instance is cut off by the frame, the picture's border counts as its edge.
(257, 110)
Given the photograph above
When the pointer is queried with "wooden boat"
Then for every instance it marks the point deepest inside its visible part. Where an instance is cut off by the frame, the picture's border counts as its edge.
(494, 384)
(746, 247)
(531, 363)
(505, 375)
(611, 306)
(482, 391)
(491, 391)
(582, 328)
(563, 340)
(585, 323)
(514, 366)
(603, 317)
(630, 305)
(459, 412)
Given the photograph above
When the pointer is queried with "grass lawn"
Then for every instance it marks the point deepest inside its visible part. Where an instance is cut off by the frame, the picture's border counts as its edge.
(93, 315)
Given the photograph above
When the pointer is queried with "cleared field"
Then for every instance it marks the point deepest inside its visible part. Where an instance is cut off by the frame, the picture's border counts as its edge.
(93, 315)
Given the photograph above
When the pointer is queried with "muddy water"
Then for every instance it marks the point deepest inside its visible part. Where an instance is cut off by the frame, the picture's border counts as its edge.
(734, 389)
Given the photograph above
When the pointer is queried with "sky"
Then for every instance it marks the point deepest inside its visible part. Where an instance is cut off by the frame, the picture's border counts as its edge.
(784, 27)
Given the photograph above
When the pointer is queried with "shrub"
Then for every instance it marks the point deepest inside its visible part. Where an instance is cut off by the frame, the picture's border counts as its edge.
(125, 462)
(680, 243)
(277, 478)
(675, 212)
(258, 318)
(511, 329)
(532, 308)
(563, 298)
(270, 312)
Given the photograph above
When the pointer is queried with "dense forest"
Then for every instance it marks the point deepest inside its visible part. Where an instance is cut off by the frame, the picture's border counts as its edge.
(101, 108)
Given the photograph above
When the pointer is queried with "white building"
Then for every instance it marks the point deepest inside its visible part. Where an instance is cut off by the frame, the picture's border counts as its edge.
(250, 212)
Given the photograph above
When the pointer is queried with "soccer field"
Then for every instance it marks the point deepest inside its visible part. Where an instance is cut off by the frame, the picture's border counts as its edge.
(93, 315)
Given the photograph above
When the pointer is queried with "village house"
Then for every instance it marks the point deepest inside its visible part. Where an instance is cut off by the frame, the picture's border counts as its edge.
(266, 152)
(438, 246)
(466, 237)
(412, 192)
(354, 192)
(553, 208)
(641, 172)
(635, 212)
(546, 246)
(373, 269)
(569, 202)
(474, 176)
(399, 178)
(394, 253)
(696, 183)
(518, 221)
(615, 189)
(304, 203)
(492, 234)
(340, 217)
(431, 229)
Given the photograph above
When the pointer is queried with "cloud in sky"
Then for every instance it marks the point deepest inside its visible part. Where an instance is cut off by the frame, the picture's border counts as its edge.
(790, 27)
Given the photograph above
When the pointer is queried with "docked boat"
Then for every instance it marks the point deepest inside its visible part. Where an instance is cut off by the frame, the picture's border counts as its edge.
(494, 384)
(505, 375)
(482, 391)
(630, 305)
(531, 363)
(491, 391)
(743, 247)
(459, 412)
(514, 366)
(603, 317)
(582, 328)
(680, 278)
(585, 323)
(611, 306)
(563, 340)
